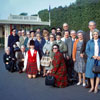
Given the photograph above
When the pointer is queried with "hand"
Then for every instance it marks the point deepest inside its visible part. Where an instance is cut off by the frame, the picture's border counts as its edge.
(50, 60)
(22, 59)
(95, 57)
(39, 69)
(23, 70)
(98, 58)
(7, 63)
(49, 71)
(74, 60)
(81, 55)
(68, 57)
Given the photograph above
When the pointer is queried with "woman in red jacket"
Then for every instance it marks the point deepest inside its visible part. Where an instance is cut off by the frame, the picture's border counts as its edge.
(59, 68)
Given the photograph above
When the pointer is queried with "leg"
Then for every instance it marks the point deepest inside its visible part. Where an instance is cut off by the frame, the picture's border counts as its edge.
(44, 71)
(80, 81)
(83, 77)
(92, 84)
(97, 83)
(34, 76)
(29, 76)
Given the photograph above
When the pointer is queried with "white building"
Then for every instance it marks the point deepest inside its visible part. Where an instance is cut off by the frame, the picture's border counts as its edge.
(19, 21)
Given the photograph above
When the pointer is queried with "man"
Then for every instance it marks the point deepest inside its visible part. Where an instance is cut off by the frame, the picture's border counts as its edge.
(20, 58)
(87, 36)
(66, 36)
(22, 38)
(12, 40)
(69, 42)
(65, 28)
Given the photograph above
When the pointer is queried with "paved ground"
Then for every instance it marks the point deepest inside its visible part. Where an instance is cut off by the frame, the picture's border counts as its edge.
(15, 86)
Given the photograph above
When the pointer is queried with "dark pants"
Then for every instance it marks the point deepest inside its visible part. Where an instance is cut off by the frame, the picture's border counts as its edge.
(72, 74)
(11, 66)
(20, 65)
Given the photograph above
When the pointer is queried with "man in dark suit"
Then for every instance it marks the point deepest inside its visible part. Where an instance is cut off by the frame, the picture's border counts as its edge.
(69, 42)
(87, 36)
(20, 58)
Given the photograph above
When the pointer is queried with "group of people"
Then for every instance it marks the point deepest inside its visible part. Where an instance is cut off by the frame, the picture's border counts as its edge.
(72, 54)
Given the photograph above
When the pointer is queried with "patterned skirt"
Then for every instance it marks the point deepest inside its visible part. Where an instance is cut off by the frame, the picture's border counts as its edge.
(31, 68)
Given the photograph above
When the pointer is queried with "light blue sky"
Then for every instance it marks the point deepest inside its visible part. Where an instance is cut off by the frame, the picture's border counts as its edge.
(30, 6)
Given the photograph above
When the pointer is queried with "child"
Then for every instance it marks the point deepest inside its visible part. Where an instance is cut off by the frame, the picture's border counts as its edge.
(9, 61)
(32, 61)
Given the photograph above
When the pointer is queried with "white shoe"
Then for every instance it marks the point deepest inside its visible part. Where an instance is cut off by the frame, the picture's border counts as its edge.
(78, 83)
(84, 84)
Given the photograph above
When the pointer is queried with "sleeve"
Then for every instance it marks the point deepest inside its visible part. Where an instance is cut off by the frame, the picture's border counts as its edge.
(9, 41)
(44, 48)
(25, 62)
(4, 59)
(56, 63)
(64, 50)
(88, 51)
(38, 61)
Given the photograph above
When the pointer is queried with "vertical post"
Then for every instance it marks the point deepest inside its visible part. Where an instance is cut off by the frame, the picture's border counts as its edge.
(49, 15)
(7, 33)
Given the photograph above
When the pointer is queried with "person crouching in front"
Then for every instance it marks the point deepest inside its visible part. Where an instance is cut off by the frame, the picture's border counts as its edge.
(9, 61)
(32, 61)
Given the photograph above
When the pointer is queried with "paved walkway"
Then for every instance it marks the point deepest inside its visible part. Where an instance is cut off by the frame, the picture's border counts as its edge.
(15, 86)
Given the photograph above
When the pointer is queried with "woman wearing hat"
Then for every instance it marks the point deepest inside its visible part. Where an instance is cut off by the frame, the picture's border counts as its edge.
(93, 54)
(32, 61)
(79, 64)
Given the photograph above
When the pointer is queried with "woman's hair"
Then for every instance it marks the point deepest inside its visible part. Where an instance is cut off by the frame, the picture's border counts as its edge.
(56, 46)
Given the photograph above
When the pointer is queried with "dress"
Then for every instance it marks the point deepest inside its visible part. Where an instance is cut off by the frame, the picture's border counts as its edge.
(90, 61)
(79, 65)
(59, 70)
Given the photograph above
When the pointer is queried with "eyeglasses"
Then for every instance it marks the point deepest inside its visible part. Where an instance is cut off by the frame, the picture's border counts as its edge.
(51, 37)
(55, 48)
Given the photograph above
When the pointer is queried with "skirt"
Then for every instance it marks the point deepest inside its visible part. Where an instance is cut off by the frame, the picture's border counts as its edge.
(31, 68)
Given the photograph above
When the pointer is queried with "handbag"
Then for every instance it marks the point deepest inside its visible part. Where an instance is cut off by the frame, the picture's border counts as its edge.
(50, 80)
(45, 61)
(96, 68)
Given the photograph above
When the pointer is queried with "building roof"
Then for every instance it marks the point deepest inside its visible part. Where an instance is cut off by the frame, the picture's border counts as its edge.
(23, 22)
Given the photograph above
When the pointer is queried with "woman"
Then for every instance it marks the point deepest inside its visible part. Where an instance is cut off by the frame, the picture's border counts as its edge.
(93, 54)
(79, 64)
(47, 51)
(59, 68)
(39, 43)
(32, 61)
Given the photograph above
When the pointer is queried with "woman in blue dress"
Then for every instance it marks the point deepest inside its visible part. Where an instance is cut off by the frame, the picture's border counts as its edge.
(93, 54)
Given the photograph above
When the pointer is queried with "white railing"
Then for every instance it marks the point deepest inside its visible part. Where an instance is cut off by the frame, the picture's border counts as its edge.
(24, 18)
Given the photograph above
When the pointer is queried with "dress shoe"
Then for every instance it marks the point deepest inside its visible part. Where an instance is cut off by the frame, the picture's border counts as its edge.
(87, 86)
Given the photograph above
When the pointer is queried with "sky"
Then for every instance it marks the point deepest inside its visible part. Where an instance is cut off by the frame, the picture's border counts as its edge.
(16, 7)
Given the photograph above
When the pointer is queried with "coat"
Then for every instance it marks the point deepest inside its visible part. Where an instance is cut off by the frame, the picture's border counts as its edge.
(90, 61)
(69, 44)
(39, 46)
(59, 70)
(26, 44)
(75, 49)
(11, 41)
